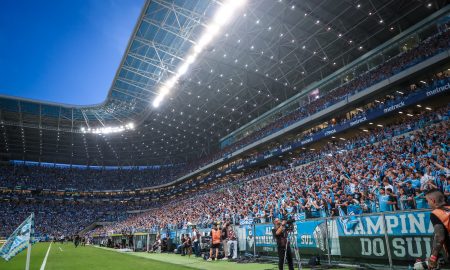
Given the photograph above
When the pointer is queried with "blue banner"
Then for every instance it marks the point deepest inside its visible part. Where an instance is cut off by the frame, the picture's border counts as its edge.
(263, 235)
(407, 235)
(412, 223)
(310, 236)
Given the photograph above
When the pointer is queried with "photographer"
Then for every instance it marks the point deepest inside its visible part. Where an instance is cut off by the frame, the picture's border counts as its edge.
(280, 233)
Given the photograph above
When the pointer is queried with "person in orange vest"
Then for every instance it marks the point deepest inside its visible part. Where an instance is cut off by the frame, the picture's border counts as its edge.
(215, 242)
(440, 218)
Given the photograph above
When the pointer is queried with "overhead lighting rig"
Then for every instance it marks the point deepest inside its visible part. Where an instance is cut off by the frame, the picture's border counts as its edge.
(108, 130)
(223, 15)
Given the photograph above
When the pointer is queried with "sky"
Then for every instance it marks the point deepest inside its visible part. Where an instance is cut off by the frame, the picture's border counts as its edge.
(65, 51)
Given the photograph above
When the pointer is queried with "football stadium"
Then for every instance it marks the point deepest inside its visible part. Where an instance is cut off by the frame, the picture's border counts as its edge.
(235, 134)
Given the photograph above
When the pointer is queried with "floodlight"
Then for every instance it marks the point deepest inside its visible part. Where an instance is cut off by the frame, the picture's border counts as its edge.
(183, 69)
(170, 83)
(222, 16)
(212, 29)
(204, 40)
(164, 91)
(157, 101)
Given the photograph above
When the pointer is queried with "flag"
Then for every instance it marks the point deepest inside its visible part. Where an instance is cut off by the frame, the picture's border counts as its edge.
(351, 220)
(19, 239)
(353, 211)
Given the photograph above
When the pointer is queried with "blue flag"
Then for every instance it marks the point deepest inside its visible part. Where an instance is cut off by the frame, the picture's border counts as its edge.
(350, 220)
(352, 211)
(19, 239)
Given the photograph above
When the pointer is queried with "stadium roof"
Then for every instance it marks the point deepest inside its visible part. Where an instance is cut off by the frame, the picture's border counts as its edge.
(267, 53)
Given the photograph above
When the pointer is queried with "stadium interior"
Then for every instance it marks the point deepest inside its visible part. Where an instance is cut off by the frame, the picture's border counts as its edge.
(242, 112)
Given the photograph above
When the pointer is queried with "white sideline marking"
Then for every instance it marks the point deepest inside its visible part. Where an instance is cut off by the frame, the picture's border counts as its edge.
(61, 249)
(46, 256)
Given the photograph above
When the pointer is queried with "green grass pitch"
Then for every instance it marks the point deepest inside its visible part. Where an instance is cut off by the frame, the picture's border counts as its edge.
(67, 257)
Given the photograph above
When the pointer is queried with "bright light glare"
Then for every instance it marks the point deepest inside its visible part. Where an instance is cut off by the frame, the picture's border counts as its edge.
(183, 69)
(191, 58)
(108, 130)
(164, 91)
(171, 82)
(221, 18)
(226, 11)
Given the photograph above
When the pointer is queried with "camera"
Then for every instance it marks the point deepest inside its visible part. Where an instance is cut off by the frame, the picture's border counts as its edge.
(289, 224)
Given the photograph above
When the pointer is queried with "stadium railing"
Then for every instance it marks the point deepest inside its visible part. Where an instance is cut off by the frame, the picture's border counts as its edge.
(384, 238)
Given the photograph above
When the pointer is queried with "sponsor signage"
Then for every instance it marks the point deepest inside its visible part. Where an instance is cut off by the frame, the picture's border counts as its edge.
(407, 235)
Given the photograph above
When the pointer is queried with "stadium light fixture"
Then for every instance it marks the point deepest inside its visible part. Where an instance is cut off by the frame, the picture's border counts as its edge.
(226, 11)
(183, 69)
(191, 58)
(108, 130)
(223, 15)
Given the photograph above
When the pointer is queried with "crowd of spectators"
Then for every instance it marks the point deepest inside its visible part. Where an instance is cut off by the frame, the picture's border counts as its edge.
(377, 172)
(40, 177)
(53, 218)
